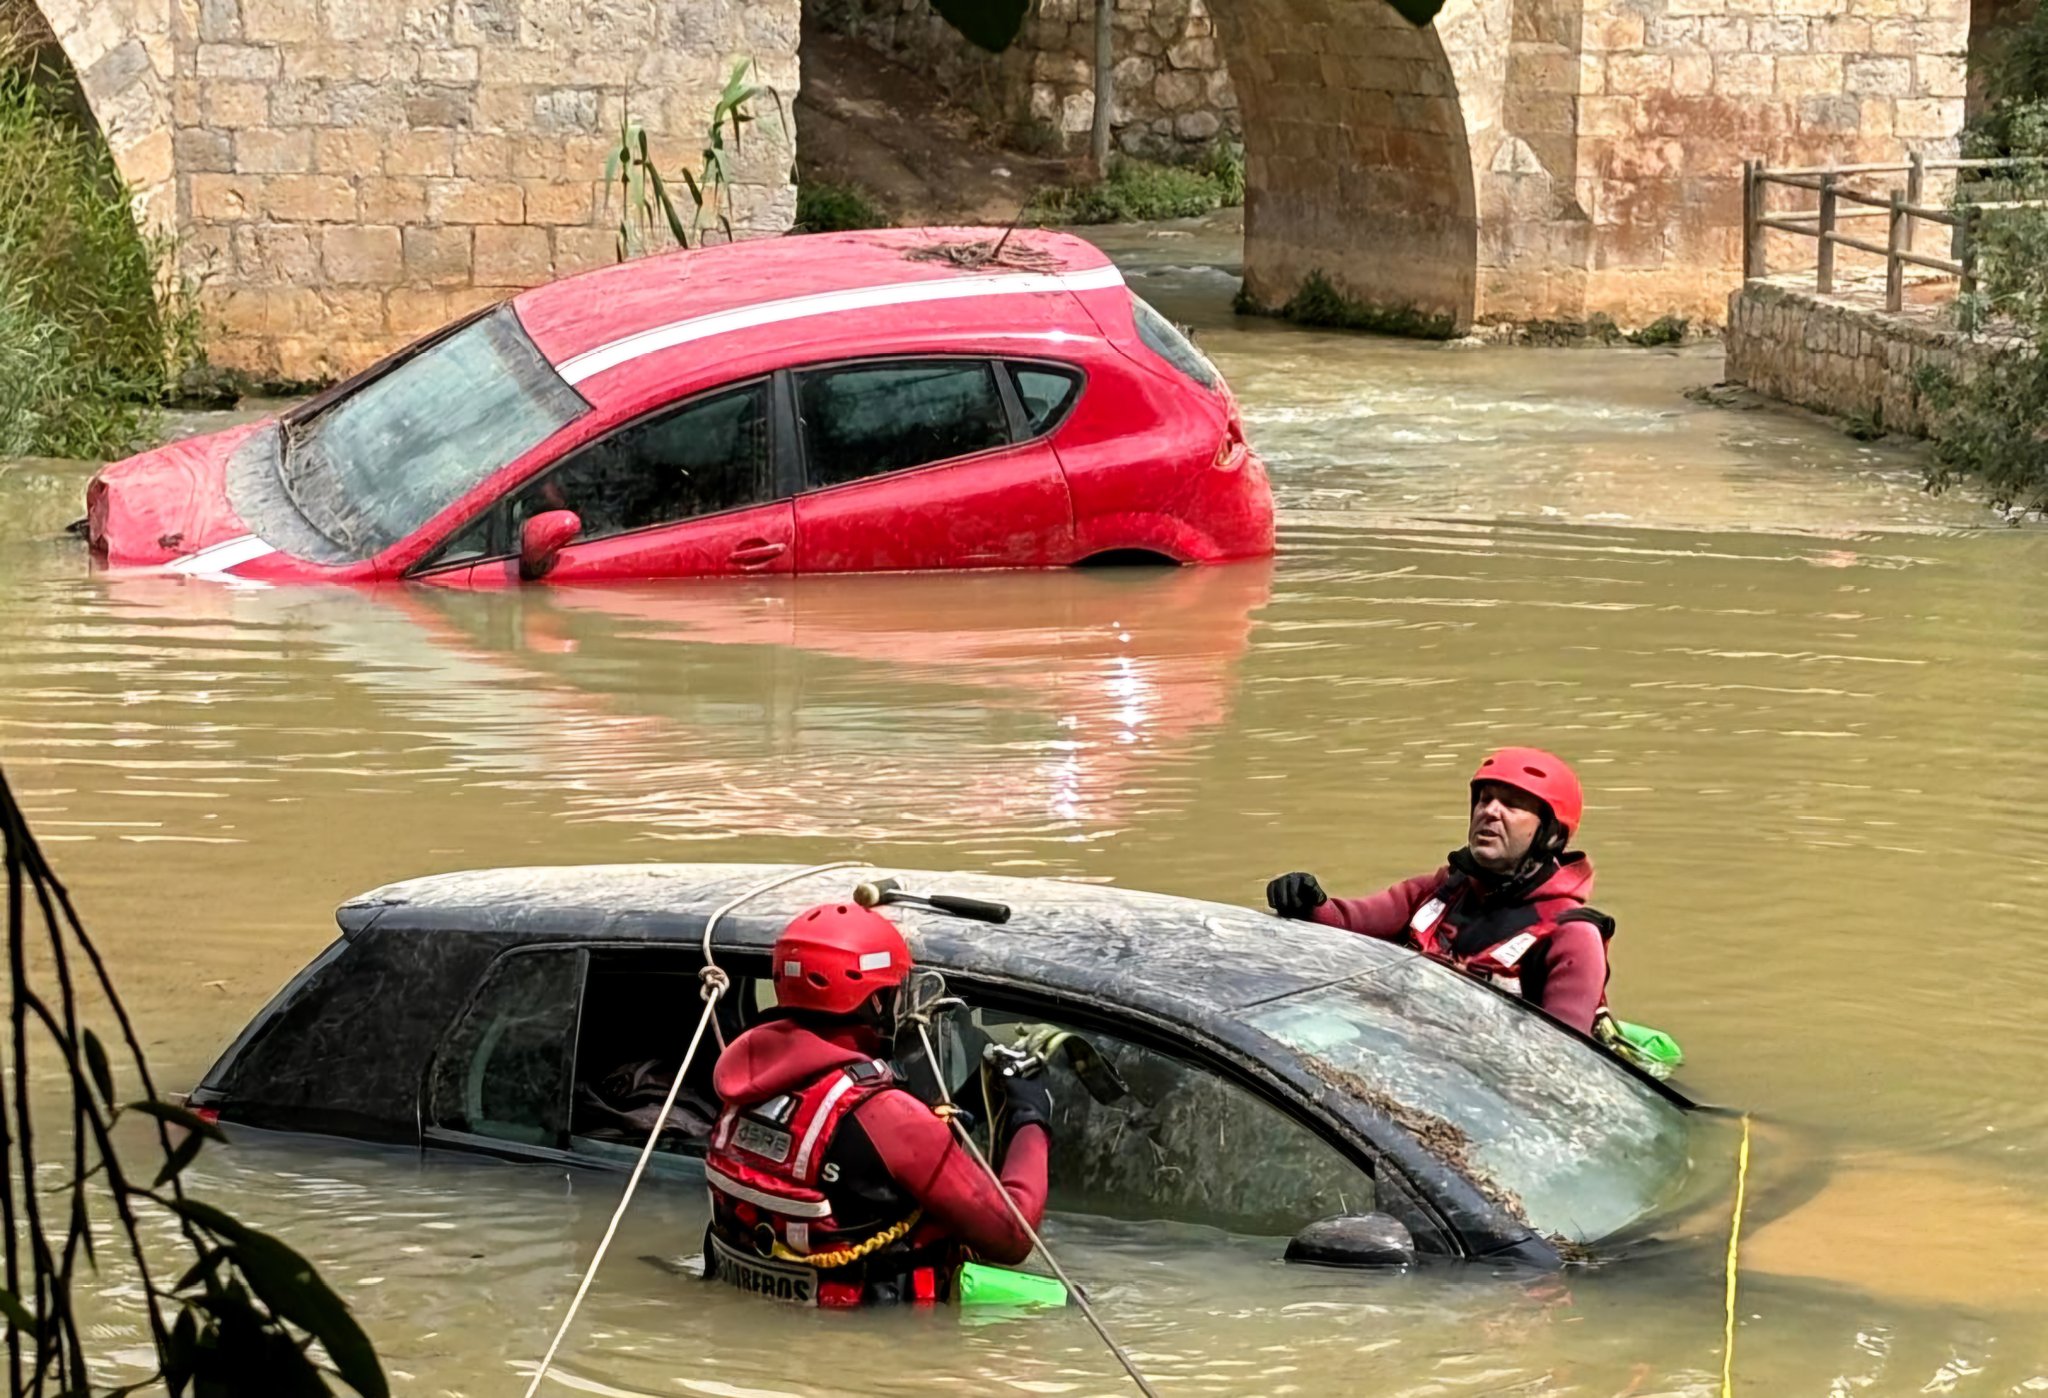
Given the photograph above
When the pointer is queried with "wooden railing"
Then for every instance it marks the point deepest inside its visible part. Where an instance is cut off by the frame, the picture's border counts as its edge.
(1902, 209)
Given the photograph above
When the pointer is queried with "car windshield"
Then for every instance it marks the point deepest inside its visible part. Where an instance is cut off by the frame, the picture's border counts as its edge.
(1581, 1143)
(372, 468)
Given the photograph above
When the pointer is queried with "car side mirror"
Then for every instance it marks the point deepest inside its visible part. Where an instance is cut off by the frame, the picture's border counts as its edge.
(544, 536)
(1354, 1240)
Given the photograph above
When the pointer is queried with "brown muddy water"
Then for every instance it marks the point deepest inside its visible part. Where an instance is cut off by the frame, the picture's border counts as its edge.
(1807, 699)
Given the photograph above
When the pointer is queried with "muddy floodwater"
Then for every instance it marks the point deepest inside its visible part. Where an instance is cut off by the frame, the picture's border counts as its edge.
(1809, 703)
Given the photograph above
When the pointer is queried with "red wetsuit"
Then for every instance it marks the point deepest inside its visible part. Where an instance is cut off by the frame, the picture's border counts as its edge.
(1564, 972)
(887, 1155)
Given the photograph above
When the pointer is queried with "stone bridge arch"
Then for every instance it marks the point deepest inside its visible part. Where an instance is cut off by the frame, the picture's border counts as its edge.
(1358, 163)
(121, 51)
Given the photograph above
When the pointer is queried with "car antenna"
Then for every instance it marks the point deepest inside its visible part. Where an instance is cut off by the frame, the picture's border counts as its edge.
(996, 253)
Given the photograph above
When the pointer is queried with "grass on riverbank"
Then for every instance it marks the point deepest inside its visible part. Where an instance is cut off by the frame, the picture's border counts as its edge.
(89, 347)
(825, 207)
(1142, 190)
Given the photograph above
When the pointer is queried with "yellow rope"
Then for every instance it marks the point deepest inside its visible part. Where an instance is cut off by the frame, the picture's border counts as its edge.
(853, 1252)
(1734, 1240)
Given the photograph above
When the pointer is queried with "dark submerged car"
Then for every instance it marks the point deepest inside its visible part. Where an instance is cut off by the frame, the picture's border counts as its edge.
(1278, 1073)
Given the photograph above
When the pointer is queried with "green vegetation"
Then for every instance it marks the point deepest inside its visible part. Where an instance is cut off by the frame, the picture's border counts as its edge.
(95, 329)
(824, 207)
(1665, 330)
(1142, 190)
(1317, 301)
(647, 209)
(1991, 423)
(238, 1314)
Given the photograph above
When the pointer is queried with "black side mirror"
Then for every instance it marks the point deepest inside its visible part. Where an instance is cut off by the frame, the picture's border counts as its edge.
(1354, 1240)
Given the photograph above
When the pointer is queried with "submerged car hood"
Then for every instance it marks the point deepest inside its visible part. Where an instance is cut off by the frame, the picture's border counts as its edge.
(164, 504)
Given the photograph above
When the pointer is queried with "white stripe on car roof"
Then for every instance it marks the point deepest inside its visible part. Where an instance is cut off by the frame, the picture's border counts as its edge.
(218, 558)
(864, 298)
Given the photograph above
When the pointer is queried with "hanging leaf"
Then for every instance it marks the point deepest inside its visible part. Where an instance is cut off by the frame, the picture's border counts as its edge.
(183, 1154)
(290, 1286)
(209, 1262)
(179, 1116)
(81, 1225)
(102, 1072)
(17, 1315)
(990, 24)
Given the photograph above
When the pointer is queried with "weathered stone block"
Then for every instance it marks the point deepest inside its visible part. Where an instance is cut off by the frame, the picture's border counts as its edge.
(1778, 35)
(273, 152)
(1725, 34)
(1878, 77)
(1692, 74)
(400, 199)
(235, 104)
(582, 249)
(309, 199)
(198, 149)
(1928, 118)
(474, 201)
(254, 62)
(225, 198)
(1197, 126)
(358, 255)
(1638, 74)
(438, 106)
(282, 21)
(565, 110)
(342, 152)
(1801, 75)
(420, 153)
(562, 201)
(1842, 35)
(413, 311)
(1939, 75)
(1744, 74)
(1193, 53)
(437, 256)
(511, 256)
(220, 21)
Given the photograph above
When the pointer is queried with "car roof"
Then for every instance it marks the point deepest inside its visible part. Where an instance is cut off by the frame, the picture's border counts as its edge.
(1180, 958)
(593, 321)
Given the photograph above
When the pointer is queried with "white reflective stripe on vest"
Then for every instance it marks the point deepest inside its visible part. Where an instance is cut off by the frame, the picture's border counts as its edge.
(802, 1168)
(761, 1199)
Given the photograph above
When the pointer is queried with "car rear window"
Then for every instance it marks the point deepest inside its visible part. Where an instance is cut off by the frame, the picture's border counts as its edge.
(1046, 394)
(1583, 1145)
(371, 468)
(1164, 339)
(867, 419)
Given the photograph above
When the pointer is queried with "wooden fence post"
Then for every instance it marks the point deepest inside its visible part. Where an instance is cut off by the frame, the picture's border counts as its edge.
(1895, 270)
(1752, 210)
(1966, 233)
(1824, 271)
(1916, 186)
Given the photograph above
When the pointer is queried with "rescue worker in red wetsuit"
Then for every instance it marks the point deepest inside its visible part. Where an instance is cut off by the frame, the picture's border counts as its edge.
(830, 1183)
(1510, 907)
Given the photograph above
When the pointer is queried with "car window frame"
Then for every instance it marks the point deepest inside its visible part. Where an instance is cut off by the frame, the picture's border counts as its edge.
(498, 512)
(1016, 422)
(1073, 373)
(1186, 1043)
(430, 1131)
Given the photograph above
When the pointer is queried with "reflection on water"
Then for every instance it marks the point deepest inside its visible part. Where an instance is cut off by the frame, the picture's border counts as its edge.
(1807, 700)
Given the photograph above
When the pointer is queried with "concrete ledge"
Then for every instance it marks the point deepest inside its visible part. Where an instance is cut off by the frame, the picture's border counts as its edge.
(1845, 354)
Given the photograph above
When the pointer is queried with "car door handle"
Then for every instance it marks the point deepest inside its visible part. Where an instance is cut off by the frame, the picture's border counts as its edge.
(755, 552)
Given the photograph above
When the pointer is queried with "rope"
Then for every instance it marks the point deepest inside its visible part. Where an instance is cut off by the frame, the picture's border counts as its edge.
(713, 983)
(1734, 1240)
(853, 1252)
(950, 1114)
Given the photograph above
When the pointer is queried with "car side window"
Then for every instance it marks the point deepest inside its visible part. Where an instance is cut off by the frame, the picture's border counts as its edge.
(1182, 1143)
(1045, 393)
(707, 456)
(867, 419)
(503, 1070)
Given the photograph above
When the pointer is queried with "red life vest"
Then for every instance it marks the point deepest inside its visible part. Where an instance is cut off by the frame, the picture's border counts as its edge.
(1433, 927)
(771, 1185)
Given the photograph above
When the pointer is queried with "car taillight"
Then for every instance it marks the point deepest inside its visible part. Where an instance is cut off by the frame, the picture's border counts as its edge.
(1231, 451)
(209, 1115)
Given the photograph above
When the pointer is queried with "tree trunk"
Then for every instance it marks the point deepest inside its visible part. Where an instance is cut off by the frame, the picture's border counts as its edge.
(1105, 83)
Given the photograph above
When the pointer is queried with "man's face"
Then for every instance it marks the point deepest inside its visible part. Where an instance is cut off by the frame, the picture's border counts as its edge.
(1504, 826)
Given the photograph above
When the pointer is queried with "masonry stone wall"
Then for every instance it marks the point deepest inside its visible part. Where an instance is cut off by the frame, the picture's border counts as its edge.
(1172, 88)
(348, 174)
(1839, 357)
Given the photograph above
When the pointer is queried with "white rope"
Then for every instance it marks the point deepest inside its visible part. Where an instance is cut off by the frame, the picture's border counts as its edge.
(714, 983)
(967, 1139)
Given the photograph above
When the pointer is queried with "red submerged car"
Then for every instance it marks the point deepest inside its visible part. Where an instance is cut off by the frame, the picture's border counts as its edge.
(837, 403)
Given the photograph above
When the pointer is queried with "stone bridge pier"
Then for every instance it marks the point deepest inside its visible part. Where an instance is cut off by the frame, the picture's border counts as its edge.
(344, 175)
(1532, 160)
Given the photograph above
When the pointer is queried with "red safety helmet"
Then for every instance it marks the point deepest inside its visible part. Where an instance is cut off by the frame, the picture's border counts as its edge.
(835, 956)
(1544, 775)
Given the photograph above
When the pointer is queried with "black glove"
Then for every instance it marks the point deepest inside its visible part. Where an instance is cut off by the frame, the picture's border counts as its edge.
(1296, 895)
(1020, 1101)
